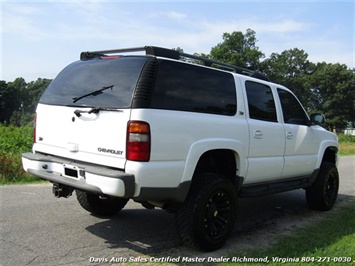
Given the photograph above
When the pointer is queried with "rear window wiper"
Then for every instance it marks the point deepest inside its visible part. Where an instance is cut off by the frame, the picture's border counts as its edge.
(95, 110)
(94, 93)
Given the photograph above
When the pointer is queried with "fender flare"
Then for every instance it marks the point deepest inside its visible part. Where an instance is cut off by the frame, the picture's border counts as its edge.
(324, 145)
(200, 147)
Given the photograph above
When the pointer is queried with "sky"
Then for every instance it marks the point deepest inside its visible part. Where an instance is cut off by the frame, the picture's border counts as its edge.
(40, 38)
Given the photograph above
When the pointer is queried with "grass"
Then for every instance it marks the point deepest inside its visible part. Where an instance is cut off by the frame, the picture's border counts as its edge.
(11, 171)
(346, 145)
(346, 148)
(13, 142)
(330, 241)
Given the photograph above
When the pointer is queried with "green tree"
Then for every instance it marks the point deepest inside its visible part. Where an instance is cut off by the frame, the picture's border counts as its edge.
(4, 98)
(9, 99)
(35, 90)
(291, 68)
(238, 49)
(18, 100)
(333, 89)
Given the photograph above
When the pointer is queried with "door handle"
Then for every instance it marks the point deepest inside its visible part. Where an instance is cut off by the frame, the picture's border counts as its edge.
(289, 135)
(258, 134)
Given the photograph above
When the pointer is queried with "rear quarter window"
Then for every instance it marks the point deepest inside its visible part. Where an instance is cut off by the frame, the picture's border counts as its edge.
(185, 87)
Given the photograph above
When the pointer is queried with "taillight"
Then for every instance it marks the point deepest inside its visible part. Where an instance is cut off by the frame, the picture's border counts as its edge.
(138, 141)
(34, 128)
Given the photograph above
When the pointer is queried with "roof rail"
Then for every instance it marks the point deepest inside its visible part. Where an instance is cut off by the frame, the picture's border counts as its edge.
(173, 54)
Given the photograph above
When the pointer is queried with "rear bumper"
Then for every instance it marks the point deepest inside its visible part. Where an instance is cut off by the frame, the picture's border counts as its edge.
(80, 175)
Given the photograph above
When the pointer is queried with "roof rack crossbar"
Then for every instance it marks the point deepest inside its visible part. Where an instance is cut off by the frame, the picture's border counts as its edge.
(149, 50)
(173, 54)
(209, 62)
(91, 54)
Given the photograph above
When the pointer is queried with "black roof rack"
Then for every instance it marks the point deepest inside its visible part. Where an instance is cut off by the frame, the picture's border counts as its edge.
(173, 54)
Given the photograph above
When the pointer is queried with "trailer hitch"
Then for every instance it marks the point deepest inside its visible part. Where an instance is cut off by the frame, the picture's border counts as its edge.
(60, 190)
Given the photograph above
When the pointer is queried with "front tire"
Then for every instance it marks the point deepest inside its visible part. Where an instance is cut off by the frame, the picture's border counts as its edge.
(100, 206)
(207, 216)
(324, 191)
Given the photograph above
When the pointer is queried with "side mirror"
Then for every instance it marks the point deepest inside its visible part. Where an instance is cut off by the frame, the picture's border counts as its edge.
(317, 119)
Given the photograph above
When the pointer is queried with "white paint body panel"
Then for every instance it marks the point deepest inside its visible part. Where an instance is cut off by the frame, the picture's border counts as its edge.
(264, 151)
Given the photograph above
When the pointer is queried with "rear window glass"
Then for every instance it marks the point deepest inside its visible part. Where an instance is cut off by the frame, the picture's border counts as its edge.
(96, 83)
(185, 87)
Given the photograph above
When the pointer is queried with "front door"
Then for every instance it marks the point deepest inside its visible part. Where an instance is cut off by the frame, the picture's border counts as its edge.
(301, 151)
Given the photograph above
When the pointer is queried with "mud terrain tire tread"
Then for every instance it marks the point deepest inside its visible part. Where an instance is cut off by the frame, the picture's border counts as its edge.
(324, 191)
(207, 216)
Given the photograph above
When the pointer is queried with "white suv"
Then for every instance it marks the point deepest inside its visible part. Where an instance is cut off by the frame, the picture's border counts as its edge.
(189, 136)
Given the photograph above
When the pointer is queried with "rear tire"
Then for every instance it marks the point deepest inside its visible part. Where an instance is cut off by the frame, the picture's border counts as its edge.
(207, 216)
(324, 191)
(98, 205)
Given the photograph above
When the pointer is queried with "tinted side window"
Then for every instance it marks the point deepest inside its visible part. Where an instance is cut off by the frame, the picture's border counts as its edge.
(261, 102)
(291, 108)
(185, 87)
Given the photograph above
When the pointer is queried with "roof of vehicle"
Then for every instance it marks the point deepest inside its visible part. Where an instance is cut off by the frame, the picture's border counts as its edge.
(177, 55)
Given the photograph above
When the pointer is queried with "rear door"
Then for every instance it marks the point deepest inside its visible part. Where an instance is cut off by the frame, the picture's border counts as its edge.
(83, 114)
(95, 138)
(267, 139)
